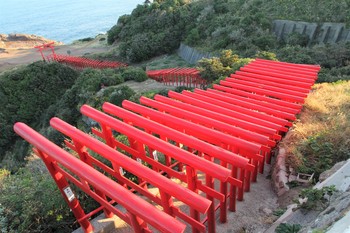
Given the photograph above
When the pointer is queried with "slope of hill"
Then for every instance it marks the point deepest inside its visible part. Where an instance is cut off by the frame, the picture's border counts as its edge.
(243, 26)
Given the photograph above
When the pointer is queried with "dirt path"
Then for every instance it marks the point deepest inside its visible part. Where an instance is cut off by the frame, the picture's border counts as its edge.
(255, 213)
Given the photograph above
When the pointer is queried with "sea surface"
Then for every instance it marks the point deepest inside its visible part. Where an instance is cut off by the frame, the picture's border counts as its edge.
(62, 20)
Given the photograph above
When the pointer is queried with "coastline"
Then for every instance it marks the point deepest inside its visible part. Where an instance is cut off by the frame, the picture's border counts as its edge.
(18, 49)
(22, 41)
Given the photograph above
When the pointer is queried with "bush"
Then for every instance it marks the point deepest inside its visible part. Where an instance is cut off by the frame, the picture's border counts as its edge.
(214, 68)
(25, 93)
(112, 34)
(295, 38)
(316, 198)
(266, 55)
(87, 39)
(151, 30)
(31, 202)
(119, 94)
(288, 228)
(193, 37)
(295, 54)
(331, 55)
(136, 74)
(179, 89)
(320, 154)
(334, 74)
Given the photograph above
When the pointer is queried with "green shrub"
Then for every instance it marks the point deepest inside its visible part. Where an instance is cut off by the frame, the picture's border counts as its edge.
(279, 212)
(151, 30)
(227, 58)
(31, 202)
(25, 93)
(288, 228)
(193, 37)
(181, 88)
(264, 40)
(319, 155)
(295, 54)
(136, 74)
(119, 94)
(295, 38)
(112, 34)
(334, 74)
(316, 199)
(266, 55)
(87, 39)
(214, 68)
(331, 55)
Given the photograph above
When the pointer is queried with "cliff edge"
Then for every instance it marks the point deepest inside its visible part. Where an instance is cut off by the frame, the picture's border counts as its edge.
(16, 41)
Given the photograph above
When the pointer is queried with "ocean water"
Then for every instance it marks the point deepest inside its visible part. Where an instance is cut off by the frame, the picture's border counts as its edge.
(62, 20)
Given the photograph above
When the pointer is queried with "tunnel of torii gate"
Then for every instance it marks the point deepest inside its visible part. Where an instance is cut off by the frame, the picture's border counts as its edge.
(200, 150)
(76, 62)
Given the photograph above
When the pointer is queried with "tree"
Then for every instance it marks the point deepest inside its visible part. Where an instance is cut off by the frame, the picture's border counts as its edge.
(212, 69)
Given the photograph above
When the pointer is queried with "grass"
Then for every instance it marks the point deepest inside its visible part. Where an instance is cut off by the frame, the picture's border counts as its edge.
(166, 61)
(320, 137)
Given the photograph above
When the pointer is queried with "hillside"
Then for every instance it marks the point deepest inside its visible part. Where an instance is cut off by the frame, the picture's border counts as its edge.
(243, 26)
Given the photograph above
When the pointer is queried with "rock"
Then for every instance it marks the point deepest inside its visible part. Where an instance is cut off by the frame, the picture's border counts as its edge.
(22, 41)
(324, 175)
(339, 206)
(2, 45)
(267, 211)
(3, 37)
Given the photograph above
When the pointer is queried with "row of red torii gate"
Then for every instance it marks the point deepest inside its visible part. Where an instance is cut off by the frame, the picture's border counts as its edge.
(200, 150)
(188, 77)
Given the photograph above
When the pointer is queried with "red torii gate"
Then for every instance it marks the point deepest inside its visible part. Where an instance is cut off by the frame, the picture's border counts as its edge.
(77, 62)
(188, 77)
(236, 124)
(44, 47)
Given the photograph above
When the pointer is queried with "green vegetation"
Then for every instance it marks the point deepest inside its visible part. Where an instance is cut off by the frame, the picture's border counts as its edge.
(214, 68)
(34, 94)
(288, 228)
(237, 25)
(320, 138)
(316, 198)
(151, 30)
(25, 94)
(279, 212)
(87, 39)
(164, 62)
(212, 25)
(136, 74)
(37, 92)
(30, 202)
